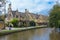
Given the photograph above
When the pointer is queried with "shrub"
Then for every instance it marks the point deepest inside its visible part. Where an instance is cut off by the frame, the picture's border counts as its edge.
(32, 23)
(14, 22)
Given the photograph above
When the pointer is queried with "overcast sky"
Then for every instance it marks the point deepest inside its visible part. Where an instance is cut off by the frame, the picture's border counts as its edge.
(35, 6)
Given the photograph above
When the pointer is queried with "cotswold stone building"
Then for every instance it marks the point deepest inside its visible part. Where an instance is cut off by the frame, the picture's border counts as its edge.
(25, 16)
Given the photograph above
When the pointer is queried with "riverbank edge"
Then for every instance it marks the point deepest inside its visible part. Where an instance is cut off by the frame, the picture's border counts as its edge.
(6, 32)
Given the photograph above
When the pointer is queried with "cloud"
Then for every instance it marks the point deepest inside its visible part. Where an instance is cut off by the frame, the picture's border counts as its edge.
(32, 5)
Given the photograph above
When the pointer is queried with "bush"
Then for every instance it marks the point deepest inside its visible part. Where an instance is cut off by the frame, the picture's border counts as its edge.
(32, 23)
(59, 23)
(14, 22)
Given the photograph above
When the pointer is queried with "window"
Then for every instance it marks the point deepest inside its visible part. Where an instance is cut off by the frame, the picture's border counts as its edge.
(16, 16)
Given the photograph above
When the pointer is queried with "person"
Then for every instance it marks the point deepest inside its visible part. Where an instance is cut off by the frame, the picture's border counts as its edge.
(10, 27)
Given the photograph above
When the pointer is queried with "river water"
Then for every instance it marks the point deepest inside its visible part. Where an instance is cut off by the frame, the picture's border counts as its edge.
(35, 34)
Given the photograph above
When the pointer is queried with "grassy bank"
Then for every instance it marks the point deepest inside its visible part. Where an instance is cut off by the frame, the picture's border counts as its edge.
(5, 32)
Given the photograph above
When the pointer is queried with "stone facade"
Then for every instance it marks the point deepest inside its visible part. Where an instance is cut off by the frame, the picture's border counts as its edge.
(26, 16)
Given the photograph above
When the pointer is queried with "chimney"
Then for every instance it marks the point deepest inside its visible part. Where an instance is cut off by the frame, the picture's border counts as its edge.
(25, 10)
(10, 5)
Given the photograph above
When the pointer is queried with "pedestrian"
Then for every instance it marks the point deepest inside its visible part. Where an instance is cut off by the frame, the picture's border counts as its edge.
(10, 26)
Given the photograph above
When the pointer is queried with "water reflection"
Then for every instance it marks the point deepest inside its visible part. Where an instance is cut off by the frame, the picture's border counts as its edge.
(36, 34)
(3, 38)
(25, 35)
(55, 35)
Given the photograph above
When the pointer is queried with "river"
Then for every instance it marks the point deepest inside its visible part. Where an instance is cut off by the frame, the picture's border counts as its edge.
(34, 34)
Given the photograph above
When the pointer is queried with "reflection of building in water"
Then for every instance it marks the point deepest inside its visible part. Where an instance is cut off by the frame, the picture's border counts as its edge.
(26, 16)
(3, 38)
(24, 35)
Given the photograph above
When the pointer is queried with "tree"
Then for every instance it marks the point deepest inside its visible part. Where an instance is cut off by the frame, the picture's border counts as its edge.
(54, 16)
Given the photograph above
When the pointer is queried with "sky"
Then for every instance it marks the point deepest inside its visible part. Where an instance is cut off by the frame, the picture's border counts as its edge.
(34, 6)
